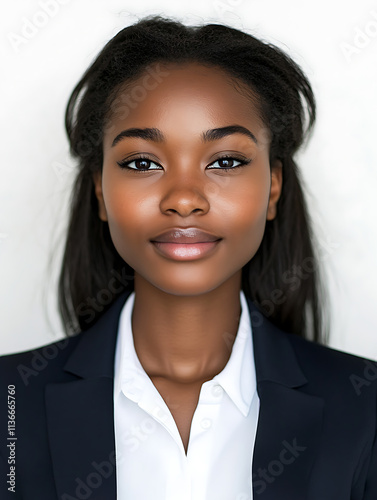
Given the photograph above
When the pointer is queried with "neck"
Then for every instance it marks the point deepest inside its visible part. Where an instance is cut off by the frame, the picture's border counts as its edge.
(185, 339)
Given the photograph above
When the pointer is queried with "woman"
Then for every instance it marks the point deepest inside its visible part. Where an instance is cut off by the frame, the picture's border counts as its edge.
(191, 286)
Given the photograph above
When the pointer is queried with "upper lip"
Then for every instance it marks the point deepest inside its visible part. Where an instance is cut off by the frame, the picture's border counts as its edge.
(185, 235)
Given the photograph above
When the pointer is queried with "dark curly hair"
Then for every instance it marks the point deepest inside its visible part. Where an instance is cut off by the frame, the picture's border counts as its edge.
(285, 100)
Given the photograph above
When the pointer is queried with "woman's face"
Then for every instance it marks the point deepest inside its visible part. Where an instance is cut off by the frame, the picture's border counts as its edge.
(184, 184)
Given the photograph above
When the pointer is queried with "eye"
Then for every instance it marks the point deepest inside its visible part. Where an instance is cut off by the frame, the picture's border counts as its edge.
(141, 164)
(226, 163)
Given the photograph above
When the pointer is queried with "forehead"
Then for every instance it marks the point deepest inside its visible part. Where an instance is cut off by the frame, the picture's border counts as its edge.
(186, 96)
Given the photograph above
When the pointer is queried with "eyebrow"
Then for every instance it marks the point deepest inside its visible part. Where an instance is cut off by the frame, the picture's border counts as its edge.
(155, 135)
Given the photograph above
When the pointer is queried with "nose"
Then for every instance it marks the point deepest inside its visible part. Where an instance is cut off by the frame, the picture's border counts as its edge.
(185, 196)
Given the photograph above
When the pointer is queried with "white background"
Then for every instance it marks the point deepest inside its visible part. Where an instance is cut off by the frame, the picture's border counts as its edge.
(336, 45)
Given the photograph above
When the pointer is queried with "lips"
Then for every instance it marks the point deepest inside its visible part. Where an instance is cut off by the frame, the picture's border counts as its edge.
(185, 235)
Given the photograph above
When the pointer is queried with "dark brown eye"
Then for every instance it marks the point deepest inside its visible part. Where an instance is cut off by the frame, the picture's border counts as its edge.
(226, 162)
(142, 163)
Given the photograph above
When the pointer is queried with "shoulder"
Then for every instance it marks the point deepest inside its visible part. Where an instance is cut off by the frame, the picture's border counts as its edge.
(41, 364)
(332, 368)
(48, 363)
(284, 356)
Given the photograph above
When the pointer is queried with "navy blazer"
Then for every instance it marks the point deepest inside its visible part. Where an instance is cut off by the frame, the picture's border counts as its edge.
(316, 434)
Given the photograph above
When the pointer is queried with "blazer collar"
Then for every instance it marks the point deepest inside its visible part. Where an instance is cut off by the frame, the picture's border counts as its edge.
(275, 359)
(94, 354)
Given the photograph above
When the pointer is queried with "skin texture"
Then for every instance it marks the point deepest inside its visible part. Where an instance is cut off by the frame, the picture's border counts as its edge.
(186, 313)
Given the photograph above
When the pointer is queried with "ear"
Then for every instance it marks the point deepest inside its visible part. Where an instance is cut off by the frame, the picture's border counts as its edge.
(97, 180)
(276, 186)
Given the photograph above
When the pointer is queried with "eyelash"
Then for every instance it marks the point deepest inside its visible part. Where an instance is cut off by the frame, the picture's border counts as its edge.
(124, 164)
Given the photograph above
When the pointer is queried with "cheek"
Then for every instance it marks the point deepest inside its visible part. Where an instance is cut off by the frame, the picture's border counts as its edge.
(246, 218)
(128, 210)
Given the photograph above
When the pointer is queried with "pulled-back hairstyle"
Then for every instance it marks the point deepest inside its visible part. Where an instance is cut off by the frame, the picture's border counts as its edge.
(292, 300)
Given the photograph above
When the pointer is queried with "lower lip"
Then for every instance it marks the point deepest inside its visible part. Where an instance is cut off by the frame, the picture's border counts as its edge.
(185, 251)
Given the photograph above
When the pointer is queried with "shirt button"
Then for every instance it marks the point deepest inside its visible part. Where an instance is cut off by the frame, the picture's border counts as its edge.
(217, 390)
(134, 392)
(160, 413)
(206, 423)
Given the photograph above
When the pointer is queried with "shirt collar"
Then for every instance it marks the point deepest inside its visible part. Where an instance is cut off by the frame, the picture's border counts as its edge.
(237, 378)
(128, 371)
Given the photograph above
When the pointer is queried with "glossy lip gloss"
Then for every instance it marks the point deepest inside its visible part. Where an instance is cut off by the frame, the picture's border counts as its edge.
(185, 251)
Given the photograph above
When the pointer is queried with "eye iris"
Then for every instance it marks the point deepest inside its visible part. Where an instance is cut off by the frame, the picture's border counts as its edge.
(226, 162)
(142, 163)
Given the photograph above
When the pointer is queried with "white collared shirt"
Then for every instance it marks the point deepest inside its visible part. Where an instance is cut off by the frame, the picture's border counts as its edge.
(150, 457)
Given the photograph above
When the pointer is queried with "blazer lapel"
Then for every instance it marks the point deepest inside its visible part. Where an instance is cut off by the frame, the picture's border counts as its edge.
(80, 414)
(290, 421)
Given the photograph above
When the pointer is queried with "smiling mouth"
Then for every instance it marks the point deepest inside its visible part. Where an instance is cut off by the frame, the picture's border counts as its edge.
(185, 251)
